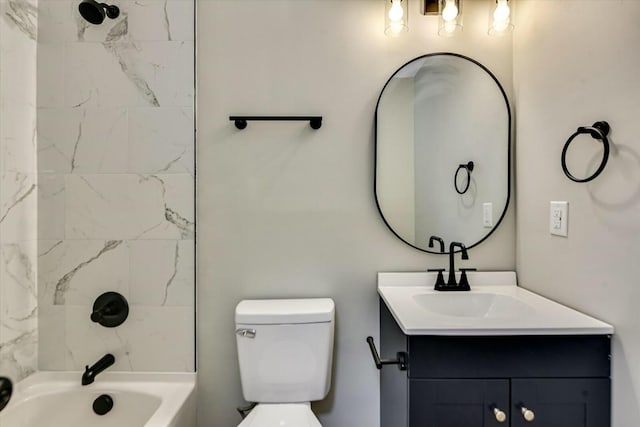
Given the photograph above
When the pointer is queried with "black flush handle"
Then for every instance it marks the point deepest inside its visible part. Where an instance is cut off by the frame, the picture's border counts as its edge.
(400, 360)
(110, 310)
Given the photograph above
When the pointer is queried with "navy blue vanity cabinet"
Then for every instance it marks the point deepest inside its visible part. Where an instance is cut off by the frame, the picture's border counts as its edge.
(580, 402)
(457, 402)
(494, 381)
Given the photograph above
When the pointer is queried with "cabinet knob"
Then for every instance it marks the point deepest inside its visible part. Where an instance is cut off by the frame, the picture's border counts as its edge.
(528, 414)
(500, 415)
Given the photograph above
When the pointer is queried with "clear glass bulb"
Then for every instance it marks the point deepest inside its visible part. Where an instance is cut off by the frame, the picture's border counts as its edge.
(500, 26)
(396, 28)
(450, 11)
(450, 27)
(502, 12)
(396, 12)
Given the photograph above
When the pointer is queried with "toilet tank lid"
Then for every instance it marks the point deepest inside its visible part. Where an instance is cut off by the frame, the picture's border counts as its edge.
(285, 311)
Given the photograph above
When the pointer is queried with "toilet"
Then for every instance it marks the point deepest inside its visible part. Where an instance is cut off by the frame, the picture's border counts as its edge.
(285, 353)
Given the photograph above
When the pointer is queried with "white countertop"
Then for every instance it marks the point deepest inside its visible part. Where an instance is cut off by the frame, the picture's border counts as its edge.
(494, 306)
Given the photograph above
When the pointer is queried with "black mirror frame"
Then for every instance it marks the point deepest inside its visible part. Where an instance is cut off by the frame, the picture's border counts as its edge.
(509, 132)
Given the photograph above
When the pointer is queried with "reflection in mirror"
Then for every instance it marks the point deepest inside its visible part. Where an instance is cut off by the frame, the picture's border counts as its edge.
(443, 137)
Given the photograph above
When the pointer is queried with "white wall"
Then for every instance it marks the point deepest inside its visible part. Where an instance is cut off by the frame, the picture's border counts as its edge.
(576, 62)
(287, 211)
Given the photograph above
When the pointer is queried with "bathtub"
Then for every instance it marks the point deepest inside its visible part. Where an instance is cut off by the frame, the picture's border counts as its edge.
(56, 399)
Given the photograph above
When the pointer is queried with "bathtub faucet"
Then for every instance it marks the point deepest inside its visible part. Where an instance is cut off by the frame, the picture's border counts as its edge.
(102, 364)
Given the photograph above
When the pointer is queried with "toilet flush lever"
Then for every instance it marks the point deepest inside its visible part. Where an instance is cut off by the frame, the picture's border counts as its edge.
(247, 333)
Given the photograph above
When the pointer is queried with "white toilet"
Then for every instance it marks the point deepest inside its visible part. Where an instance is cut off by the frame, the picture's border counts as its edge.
(285, 351)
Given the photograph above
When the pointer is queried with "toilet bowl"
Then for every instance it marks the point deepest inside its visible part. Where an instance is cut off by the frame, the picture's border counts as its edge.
(285, 354)
(281, 415)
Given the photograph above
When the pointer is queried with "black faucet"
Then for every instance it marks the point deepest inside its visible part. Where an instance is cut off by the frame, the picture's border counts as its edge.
(437, 239)
(440, 280)
(452, 285)
(90, 372)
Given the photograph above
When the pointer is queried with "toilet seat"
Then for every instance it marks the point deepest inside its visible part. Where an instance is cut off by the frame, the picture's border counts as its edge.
(281, 415)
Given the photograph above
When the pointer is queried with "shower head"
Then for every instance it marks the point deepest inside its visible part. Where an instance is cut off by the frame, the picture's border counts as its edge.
(95, 12)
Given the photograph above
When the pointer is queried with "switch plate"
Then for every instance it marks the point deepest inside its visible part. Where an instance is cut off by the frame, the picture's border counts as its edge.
(487, 215)
(558, 218)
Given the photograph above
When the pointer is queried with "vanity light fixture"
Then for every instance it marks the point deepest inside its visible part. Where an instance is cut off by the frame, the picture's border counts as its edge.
(500, 19)
(450, 21)
(396, 17)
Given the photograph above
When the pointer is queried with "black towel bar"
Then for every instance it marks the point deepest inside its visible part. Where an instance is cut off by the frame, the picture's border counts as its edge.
(241, 121)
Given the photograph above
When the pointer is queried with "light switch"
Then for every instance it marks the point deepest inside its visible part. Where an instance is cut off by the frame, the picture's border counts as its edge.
(487, 215)
(558, 218)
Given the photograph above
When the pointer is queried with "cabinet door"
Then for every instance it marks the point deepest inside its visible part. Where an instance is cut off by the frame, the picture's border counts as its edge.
(574, 402)
(457, 403)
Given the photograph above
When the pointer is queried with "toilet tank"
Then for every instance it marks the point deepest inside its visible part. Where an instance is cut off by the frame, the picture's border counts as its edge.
(285, 349)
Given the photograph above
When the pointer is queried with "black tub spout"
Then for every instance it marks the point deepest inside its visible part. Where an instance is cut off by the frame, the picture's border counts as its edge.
(90, 372)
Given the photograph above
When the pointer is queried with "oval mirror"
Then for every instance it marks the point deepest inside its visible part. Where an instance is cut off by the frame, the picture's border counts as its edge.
(443, 152)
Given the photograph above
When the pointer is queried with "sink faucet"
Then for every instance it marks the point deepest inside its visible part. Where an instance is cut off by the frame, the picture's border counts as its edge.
(90, 372)
(452, 285)
(440, 285)
(433, 239)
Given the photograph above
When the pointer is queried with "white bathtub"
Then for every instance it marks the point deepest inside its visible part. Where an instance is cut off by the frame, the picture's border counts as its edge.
(56, 399)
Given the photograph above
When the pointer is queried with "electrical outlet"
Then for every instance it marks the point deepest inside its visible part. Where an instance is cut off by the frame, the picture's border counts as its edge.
(487, 215)
(558, 218)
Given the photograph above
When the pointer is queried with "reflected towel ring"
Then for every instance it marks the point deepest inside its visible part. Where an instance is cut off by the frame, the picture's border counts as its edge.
(599, 130)
(469, 168)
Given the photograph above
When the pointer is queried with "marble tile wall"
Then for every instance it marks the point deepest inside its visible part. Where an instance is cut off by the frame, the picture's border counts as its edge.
(116, 183)
(18, 192)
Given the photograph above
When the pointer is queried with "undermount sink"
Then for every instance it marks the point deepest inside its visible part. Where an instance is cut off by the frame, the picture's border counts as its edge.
(495, 305)
(468, 304)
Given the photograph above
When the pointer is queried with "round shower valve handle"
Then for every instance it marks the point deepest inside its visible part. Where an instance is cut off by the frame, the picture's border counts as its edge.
(110, 310)
(527, 414)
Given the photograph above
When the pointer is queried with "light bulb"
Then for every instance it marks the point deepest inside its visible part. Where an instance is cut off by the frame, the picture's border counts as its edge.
(396, 28)
(502, 12)
(450, 27)
(500, 26)
(396, 12)
(450, 11)
(501, 22)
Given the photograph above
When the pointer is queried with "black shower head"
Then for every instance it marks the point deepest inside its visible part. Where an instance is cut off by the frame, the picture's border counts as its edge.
(95, 12)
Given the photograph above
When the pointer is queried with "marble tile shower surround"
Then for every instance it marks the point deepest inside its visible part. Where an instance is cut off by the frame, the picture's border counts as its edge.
(18, 193)
(116, 183)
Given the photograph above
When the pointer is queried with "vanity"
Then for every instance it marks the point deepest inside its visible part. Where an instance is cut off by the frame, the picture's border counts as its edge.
(497, 355)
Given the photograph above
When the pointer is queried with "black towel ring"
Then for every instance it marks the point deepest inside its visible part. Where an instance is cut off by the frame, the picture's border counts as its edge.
(469, 168)
(599, 130)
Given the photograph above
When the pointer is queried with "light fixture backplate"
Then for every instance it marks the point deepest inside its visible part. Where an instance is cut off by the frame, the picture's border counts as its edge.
(430, 7)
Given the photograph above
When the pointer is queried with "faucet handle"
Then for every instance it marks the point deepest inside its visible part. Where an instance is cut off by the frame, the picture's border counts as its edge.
(464, 281)
(110, 310)
(440, 280)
